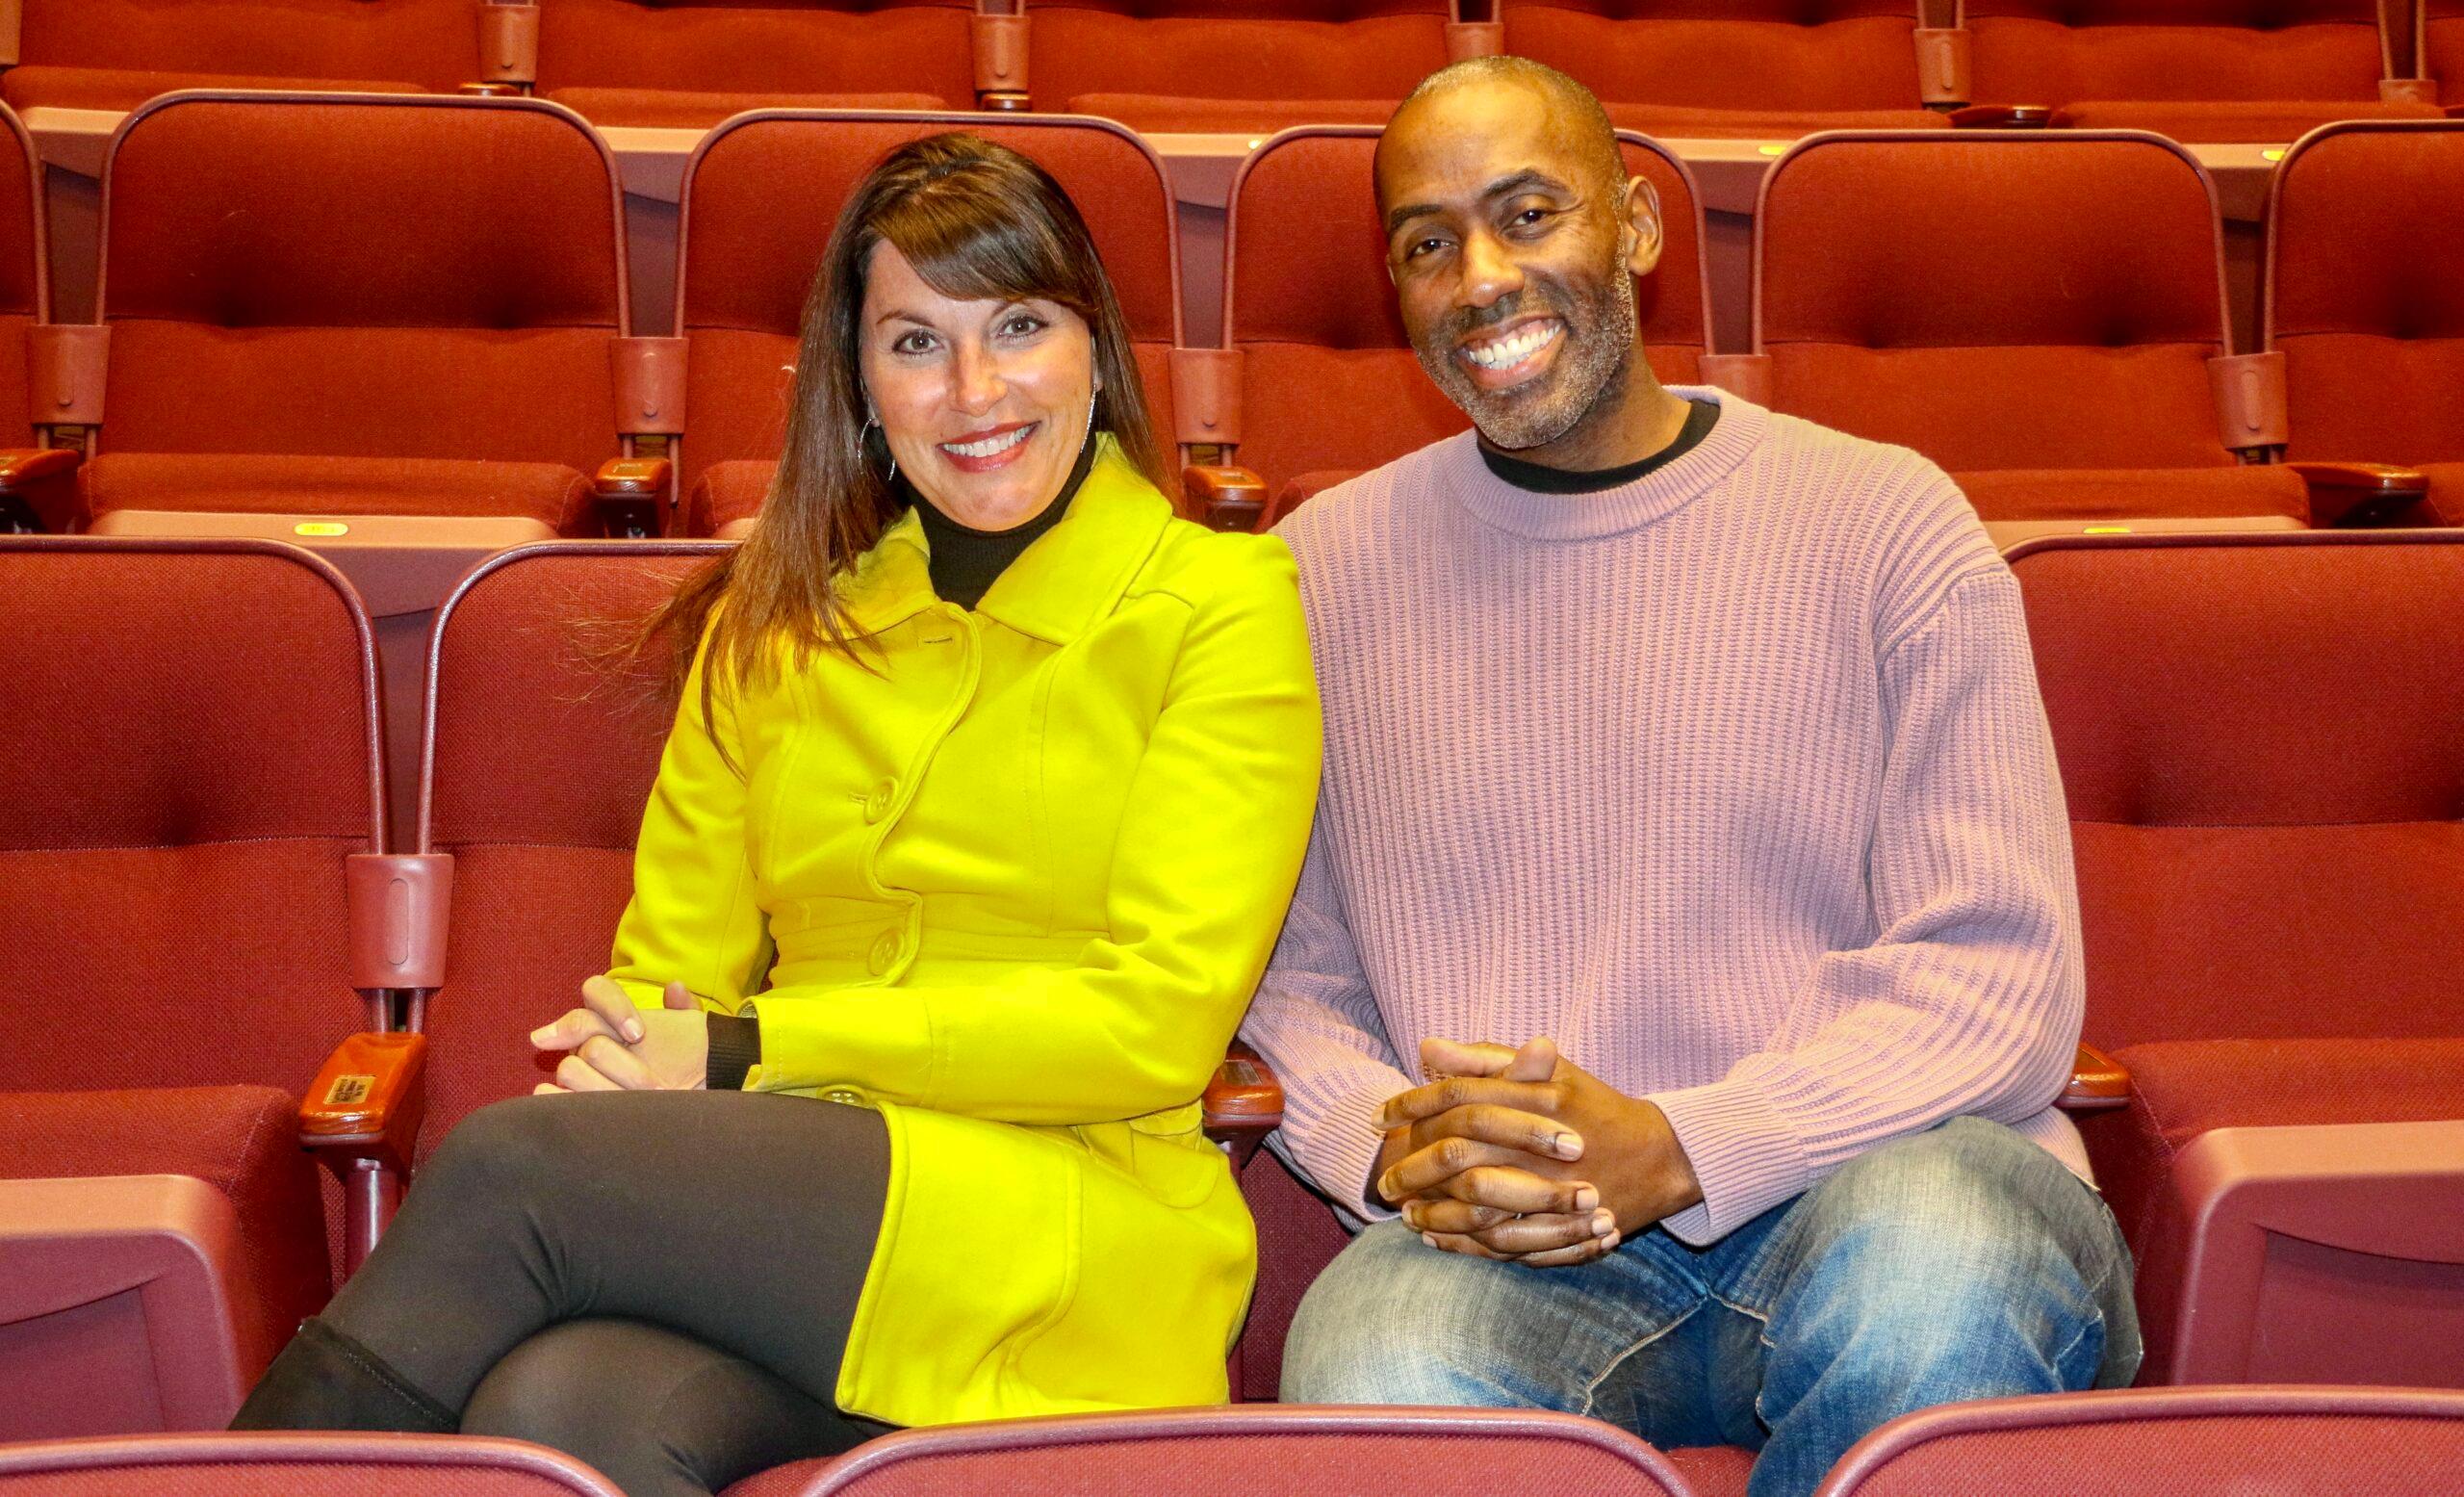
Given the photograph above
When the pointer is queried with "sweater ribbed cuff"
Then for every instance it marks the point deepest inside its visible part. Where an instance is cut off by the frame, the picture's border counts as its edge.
(1745, 1156)
(735, 1048)
(1340, 1155)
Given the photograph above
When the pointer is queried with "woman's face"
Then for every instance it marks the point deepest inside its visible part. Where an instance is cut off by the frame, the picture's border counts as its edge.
(985, 403)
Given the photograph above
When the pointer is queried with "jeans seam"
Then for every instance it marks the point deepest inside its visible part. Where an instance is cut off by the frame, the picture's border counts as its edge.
(1591, 1389)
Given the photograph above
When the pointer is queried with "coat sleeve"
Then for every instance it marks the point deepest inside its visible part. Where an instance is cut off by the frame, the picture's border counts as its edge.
(1211, 842)
(694, 917)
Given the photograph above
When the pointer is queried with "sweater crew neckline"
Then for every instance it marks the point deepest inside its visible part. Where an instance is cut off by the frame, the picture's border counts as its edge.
(1611, 511)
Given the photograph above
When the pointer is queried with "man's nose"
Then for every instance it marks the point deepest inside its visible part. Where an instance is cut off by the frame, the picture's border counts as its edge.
(1489, 273)
(980, 385)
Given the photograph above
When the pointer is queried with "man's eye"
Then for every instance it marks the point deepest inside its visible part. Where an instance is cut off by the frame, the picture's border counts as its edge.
(1530, 216)
(1421, 247)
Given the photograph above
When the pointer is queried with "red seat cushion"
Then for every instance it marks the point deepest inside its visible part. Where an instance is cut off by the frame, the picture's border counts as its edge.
(285, 44)
(1170, 113)
(39, 87)
(1234, 49)
(728, 491)
(841, 47)
(241, 1140)
(1714, 124)
(2061, 51)
(2446, 503)
(1780, 56)
(2205, 122)
(1714, 1470)
(551, 493)
(687, 108)
(2136, 493)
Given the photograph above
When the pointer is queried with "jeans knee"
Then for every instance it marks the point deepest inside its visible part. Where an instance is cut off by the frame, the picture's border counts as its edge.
(1393, 1322)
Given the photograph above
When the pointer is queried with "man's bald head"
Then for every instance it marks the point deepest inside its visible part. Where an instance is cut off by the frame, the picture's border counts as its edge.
(1573, 114)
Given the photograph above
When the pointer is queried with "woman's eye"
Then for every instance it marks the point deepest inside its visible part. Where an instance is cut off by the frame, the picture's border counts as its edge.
(912, 340)
(1021, 325)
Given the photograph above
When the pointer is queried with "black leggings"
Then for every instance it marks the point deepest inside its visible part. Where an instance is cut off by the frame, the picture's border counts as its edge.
(658, 1282)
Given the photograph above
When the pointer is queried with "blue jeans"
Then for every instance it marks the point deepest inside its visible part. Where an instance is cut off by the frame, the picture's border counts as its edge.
(1964, 1262)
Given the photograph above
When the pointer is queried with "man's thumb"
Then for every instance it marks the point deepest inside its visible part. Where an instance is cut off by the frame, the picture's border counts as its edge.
(1536, 1061)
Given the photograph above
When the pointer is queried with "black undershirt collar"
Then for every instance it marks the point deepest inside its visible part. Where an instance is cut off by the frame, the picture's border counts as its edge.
(967, 561)
(1538, 479)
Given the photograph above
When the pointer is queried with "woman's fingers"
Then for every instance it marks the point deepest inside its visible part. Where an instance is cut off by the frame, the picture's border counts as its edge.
(617, 1064)
(606, 997)
(577, 1074)
(570, 1030)
(679, 996)
(548, 1089)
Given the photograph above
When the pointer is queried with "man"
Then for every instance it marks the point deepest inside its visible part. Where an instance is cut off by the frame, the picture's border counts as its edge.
(1694, 752)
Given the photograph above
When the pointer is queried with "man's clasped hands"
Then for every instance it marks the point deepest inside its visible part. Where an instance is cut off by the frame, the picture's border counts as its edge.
(1521, 1154)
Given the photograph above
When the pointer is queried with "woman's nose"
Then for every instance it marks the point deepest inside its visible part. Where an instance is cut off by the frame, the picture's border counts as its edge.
(980, 386)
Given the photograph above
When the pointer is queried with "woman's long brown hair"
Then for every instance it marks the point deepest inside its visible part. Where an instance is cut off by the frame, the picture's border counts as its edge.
(977, 222)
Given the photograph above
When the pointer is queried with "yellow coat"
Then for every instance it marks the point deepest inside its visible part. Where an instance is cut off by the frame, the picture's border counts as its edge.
(1012, 887)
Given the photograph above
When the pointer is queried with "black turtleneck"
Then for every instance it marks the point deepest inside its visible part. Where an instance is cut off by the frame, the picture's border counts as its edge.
(966, 562)
(1538, 479)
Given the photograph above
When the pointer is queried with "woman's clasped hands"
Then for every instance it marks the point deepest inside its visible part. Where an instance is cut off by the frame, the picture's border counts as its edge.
(612, 1045)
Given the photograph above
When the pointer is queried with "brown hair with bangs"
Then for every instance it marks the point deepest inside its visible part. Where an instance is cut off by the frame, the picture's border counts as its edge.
(978, 221)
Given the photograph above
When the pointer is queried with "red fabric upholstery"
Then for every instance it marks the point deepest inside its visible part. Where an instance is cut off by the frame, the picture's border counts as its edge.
(544, 758)
(433, 44)
(2257, 737)
(912, 47)
(1298, 1236)
(1714, 1470)
(362, 278)
(2367, 300)
(1328, 379)
(39, 87)
(750, 252)
(1754, 124)
(2011, 302)
(2131, 493)
(2446, 503)
(666, 107)
(1166, 112)
(2061, 52)
(283, 1465)
(728, 491)
(2287, 1442)
(2443, 48)
(203, 484)
(1792, 59)
(1233, 49)
(2204, 123)
(22, 275)
(241, 1140)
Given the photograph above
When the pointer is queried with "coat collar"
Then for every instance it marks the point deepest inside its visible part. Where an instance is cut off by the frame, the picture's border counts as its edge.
(1058, 587)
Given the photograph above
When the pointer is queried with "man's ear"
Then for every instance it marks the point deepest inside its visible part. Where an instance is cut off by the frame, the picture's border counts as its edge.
(1642, 228)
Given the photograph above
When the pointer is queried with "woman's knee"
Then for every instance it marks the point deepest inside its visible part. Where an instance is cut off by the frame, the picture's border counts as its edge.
(509, 1145)
(565, 1389)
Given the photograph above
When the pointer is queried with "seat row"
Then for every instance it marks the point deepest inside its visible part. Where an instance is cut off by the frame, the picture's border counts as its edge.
(221, 954)
(304, 319)
(2235, 71)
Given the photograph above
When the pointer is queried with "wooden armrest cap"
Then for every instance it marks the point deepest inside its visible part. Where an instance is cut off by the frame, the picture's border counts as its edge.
(2001, 117)
(2097, 1081)
(22, 465)
(1223, 498)
(370, 1096)
(632, 477)
(2358, 494)
(1244, 1091)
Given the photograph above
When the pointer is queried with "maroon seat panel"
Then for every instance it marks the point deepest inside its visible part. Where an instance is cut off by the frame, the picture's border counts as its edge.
(41, 87)
(674, 108)
(550, 493)
(431, 43)
(1233, 49)
(2059, 52)
(1844, 54)
(913, 47)
(258, 1465)
(2443, 48)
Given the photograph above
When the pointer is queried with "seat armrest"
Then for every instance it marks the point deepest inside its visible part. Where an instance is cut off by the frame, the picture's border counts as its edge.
(2001, 117)
(2098, 1083)
(34, 481)
(2356, 493)
(368, 1101)
(22, 467)
(1243, 1105)
(630, 491)
(1223, 498)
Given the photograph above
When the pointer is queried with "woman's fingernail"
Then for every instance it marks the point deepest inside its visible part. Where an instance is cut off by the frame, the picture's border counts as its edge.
(633, 1030)
(1587, 1199)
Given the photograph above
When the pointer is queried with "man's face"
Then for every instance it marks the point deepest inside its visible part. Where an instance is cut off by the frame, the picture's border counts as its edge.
(1510, 254)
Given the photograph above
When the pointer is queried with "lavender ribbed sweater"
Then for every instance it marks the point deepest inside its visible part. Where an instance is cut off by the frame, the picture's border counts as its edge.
(1733, 780)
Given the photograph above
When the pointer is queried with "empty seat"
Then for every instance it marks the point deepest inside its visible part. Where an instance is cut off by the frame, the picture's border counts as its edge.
(333, 305)
(1327, 384)
(2193, 69)
(1250, 66)
(696, 63)
(2258, 742)
(247, 1466)
(1688, 68)
(38, 490)
(191, 763)
(2366, 301)
(116, 54)
(749, 250)
(2287, 1442)
(2042, 314)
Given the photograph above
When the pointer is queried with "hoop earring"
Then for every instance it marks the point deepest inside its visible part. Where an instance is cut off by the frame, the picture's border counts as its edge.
(872, 423)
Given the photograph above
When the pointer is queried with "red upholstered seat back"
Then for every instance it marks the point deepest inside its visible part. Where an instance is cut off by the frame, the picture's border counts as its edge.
(2011, 302)
(2055, 51)
(2366, 291)
(751, 249)
(1235, 49)
(543, 750)
(2443, 48)
(2259, 740)
(431, 42)
(354, 276)
(798, 46)
(190, 758)
(2289, 1442)
(1328, 379)
(25, 290)
(1721, 54)
(1298, 1236)
(253, 1466)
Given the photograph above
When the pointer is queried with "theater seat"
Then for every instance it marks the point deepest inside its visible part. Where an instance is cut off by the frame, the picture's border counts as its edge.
(2442, 49)
(2196, 70)
(687, 63)
(251, 1465)
(1327, 385)
(2365, 301)
(116, 54)
(2287, 1442)
(2258, 739)
(749, 252)
(1243, 65)
(315, 305)
(193, 768)
(37, 489)
(1758, 69)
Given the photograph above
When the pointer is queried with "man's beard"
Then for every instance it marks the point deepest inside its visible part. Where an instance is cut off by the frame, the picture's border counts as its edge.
(1600, 339)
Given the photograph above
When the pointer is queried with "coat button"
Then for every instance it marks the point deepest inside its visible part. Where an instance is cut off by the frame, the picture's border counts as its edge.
(877, 805)
(839, 1094)
(884, 952)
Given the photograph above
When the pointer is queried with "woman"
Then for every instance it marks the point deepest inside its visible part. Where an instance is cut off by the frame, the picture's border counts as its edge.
(986, 794)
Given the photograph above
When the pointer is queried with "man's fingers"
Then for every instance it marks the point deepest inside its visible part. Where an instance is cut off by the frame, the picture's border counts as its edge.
(679, 996)
(1456, 1242)
(1509, 1127)
(1443, 1214)
(1513, 1188)
(1580, 1253)
(1536, 1061)
(1456, 1058)
(577, 1074)
(617, 1064)
(606, 998)
(570, 1030)
(1426, 1168)
(1547, 1232)
(1437, 1097)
